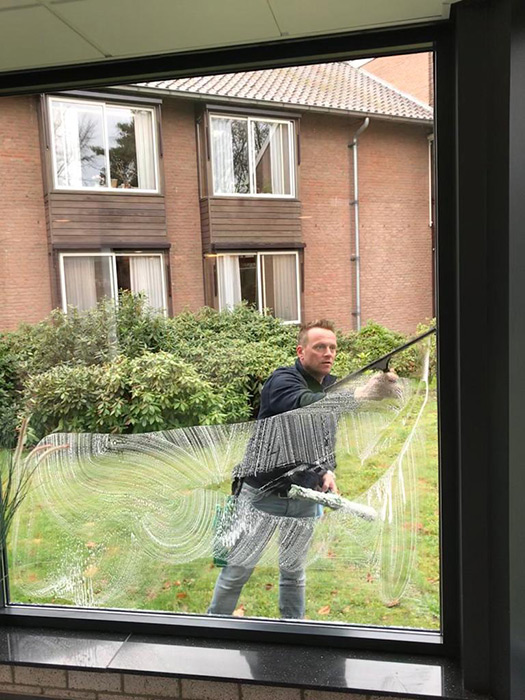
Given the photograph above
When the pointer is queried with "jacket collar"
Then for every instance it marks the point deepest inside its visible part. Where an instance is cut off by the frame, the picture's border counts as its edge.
(311, 381)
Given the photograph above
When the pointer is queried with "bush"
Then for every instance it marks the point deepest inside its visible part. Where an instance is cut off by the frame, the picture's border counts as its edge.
(9, 397)
(128, 369)
(152, 392)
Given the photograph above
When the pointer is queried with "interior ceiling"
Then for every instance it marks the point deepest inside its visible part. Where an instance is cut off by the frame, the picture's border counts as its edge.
(48, 33)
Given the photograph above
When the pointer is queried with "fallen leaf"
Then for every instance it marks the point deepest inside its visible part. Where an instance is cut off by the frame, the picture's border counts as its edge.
(334, 592)
(325, 610)
(91, 545)
(369, 578)
(393, 603)
(330, 554)
(176, 583)
(239, 612)
(268, 586)
(182, 595)
(166, 586)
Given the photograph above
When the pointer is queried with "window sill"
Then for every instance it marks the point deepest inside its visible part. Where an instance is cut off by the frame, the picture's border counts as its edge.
(396, 675)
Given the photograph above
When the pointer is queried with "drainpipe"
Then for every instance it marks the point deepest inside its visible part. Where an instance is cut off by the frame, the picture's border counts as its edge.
(356, 257)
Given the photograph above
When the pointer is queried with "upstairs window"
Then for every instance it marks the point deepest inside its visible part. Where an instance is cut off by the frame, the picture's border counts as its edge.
(270, 281)
(252, 157)
(103, 146)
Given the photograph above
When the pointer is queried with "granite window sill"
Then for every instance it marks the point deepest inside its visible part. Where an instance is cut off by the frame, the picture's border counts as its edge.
(281, 665)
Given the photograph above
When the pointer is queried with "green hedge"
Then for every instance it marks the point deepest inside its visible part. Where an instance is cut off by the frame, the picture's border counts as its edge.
(125, 369)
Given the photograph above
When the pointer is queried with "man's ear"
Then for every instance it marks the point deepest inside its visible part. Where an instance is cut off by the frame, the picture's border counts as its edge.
(300, 351)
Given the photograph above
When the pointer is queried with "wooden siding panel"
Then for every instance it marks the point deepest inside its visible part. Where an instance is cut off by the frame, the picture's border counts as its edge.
(105, 219)
(252, 221)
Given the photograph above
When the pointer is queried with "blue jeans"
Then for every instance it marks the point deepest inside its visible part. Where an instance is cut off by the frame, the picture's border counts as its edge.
(292, 575)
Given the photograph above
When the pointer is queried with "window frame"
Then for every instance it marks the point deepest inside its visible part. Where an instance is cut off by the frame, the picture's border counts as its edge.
(113, 272)
(261, 288)
(251, 151)
(50, 99)
(437, 36)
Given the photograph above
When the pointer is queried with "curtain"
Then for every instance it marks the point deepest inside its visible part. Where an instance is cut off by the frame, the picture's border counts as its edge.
(222, 165)
(144, 150)
(80, 282)
(146, 276)
(229, 281)
(68, 157)
(276, 153)
(285, 287)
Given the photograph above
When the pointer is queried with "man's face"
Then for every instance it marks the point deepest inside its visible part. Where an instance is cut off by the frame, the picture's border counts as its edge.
(317, 355)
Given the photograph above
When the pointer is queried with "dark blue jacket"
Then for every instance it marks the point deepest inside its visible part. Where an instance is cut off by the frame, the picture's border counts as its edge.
(289, 388)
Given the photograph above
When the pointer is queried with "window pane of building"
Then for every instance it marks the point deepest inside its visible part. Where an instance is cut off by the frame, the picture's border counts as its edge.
(230, 156)
(280, 286)
(272, 166)
(142, 274)
(248, 275)
(131, 150)
(78, 137)
(87, 280)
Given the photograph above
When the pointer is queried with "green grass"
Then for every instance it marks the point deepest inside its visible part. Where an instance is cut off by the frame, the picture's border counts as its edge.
(337, 589)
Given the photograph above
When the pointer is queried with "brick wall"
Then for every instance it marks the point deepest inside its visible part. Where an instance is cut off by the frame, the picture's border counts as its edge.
(104, 685)
(396, 252)
(25, 288)
(396, 245)
(325, 192)
(182, 205)
(410, 73)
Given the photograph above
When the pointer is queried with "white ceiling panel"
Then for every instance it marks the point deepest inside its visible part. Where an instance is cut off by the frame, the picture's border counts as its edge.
(297, 17)
(134, 27)
(32, 36)
(44, 33)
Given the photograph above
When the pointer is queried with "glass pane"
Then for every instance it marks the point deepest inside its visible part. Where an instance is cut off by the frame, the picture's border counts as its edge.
(87, 280)
(230, 156)
(272, 158)
(142, 274)
(248, 272)
(280, 286)
(78, 137)
(131, 151)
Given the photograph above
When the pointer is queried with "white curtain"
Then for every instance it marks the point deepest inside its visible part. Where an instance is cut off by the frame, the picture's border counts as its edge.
(69, 165)
(222, 166)
(285, 287)
(276, 153)
(146, 276)
(80, 282)
(229, 281)
(144, 150)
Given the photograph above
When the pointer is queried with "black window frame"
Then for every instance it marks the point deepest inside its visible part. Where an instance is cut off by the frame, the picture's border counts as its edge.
(461, 319)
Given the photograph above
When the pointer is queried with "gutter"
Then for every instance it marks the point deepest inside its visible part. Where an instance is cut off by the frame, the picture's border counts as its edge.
(356, 258)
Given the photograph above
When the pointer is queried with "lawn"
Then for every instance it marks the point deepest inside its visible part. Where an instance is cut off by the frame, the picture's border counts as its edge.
(100, 538)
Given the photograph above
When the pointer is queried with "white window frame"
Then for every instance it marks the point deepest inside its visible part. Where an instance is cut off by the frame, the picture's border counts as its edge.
(113, 273)
(107, 187)
(251, 155)
(261, 286)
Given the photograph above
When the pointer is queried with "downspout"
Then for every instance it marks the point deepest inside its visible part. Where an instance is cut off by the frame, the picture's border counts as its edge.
(356, 256)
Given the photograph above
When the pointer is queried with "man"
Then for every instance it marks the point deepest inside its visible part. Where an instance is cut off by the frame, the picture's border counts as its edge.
(288, 388)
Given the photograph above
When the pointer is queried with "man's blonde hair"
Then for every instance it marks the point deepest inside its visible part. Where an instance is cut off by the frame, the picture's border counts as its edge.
(302, 338)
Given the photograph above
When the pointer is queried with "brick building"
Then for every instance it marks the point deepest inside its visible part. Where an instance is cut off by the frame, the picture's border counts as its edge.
(212, 190)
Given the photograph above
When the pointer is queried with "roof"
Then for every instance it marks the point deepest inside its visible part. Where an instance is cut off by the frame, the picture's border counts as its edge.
(338, 87)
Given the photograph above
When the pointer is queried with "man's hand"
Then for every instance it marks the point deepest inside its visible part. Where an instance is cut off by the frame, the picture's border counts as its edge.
(328, 483)
(383, 385)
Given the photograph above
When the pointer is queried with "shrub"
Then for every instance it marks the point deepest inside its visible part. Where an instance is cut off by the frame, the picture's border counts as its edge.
(152, 392)
(9, 397)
